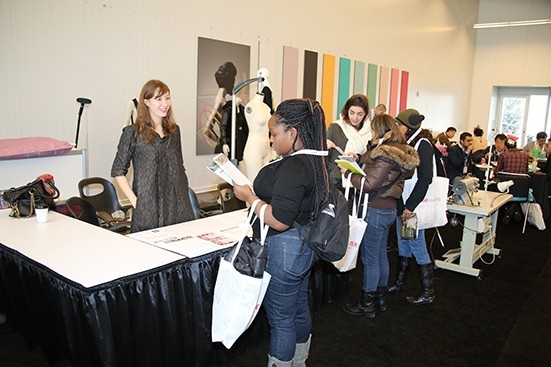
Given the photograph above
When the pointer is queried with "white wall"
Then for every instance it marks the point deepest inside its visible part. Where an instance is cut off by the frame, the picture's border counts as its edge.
(510, 57)
(53, 51)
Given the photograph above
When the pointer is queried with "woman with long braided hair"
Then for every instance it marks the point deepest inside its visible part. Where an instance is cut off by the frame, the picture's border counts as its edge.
(293, 186)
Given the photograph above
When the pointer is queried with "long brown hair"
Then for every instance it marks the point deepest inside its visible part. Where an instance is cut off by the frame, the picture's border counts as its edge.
(146, 130)
(386, 127)
(357, 100)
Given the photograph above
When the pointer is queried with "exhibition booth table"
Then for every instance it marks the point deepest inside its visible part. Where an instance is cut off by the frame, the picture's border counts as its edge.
(102, 299)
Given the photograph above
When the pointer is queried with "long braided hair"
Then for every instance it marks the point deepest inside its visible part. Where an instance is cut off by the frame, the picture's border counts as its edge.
(307, 117)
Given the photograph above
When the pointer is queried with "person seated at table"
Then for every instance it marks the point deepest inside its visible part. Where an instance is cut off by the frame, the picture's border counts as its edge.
(444, 137)
(538, 146)
(459, 157)
(497, 149)
(479, 141)
(513, 160)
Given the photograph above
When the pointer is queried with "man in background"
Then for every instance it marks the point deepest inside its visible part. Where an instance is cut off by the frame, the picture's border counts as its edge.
(513, 160)
(444, 137)
(497, 149)
(539, 143)
(459, 157)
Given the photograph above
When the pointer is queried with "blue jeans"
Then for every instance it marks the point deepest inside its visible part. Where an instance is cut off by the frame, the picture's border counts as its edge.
(373, 248)
(286, 301)
(416, 247)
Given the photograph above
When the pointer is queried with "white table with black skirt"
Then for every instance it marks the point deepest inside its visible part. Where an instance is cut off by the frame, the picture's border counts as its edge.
(98, 298)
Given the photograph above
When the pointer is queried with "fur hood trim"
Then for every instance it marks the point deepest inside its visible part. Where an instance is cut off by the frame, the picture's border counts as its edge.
(404, 155)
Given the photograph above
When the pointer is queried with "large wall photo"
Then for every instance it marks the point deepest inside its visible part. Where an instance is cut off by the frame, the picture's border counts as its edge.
(220, 66)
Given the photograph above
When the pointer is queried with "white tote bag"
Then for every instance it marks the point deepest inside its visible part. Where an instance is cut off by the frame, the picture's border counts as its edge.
(357, 230)
(237, 297)
(431, 212)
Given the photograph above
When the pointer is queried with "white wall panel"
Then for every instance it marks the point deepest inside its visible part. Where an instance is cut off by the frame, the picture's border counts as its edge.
(53, 51)
(513, 56)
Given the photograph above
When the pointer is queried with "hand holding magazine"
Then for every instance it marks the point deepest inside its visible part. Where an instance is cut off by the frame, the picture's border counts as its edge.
(224, 168)
(350, 164)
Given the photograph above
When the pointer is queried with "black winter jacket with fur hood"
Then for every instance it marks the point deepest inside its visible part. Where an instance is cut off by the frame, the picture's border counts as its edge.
(386, 167)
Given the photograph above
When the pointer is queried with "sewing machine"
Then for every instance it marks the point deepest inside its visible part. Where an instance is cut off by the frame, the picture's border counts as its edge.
(463, 190)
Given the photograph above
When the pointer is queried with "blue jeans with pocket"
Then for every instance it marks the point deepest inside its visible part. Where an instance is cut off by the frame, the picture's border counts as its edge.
(286, 301)
(413, 247)
(373, 248)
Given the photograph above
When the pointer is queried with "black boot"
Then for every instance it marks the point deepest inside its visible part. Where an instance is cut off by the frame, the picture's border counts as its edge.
(380, 301)
(366, 306)
(427, 290)
(398, 286)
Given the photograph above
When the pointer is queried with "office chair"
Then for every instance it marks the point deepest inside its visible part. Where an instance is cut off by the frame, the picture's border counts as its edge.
(194, 204)
(101, 193)
(521, 191)
(228, 201)
(85, 211)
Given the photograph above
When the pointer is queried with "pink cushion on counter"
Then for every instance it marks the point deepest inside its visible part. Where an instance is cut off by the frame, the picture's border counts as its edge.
(32, 147)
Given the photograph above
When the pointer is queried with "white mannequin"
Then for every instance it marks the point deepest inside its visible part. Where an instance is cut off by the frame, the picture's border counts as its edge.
(130, 114)
(257, 150)
(263, 72)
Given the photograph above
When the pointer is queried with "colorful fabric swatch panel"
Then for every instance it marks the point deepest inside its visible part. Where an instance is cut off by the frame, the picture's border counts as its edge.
(328, 87)
(372, 76)
(310, 80)
(359, 77)
(394, 91)
(344, 85)
(404, 90)
(289, 86)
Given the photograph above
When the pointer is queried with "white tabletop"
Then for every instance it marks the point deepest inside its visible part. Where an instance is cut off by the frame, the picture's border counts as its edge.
(79, 251)
(90, 255)
(486, 202)
(198, 237)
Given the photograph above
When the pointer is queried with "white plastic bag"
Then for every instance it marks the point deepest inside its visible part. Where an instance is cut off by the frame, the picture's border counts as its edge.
(237, 297)
(535, 215)
(431, 212)
(357, 230)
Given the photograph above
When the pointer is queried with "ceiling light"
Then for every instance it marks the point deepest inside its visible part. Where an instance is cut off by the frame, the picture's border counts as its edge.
(512, 24)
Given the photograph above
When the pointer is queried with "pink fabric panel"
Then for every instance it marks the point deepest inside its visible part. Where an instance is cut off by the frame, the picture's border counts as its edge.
(290, 73)
(404, 90)
(384, 85)
(393, 104)
(32, 147)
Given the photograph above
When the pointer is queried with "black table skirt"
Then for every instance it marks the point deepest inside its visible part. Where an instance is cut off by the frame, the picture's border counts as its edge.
(160, 317)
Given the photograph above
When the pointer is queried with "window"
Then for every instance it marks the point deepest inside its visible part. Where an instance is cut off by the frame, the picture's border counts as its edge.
(523, 112)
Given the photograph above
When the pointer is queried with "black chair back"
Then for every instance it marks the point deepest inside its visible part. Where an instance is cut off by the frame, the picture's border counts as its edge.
(82, 209)
(102, 194)
(522, 183)
(228, 200)
(194, 203)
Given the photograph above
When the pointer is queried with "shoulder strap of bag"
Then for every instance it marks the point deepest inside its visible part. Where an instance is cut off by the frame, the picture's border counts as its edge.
(416, 147)
(320, 153)
(250, 220)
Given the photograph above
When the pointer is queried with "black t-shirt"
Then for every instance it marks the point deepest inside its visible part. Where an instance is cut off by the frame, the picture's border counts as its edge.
(287, 185)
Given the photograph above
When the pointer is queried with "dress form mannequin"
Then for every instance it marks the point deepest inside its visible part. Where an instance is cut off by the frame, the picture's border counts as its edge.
(131, 112)
(257, 150)
(264, 86)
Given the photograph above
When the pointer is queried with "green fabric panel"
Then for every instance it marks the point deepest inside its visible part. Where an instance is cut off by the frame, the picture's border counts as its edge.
(359, 77)
(372, 71)
(344, 84)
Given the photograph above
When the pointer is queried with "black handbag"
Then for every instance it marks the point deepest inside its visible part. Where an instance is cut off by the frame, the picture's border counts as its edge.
(24, 199)
(252, 255)
(251, 258)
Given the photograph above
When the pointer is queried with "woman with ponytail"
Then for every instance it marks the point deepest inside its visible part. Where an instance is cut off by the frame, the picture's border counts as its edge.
(294, 185)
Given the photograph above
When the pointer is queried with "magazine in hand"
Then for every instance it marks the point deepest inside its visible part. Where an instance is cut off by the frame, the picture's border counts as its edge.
(224, 168)
(350, 164)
